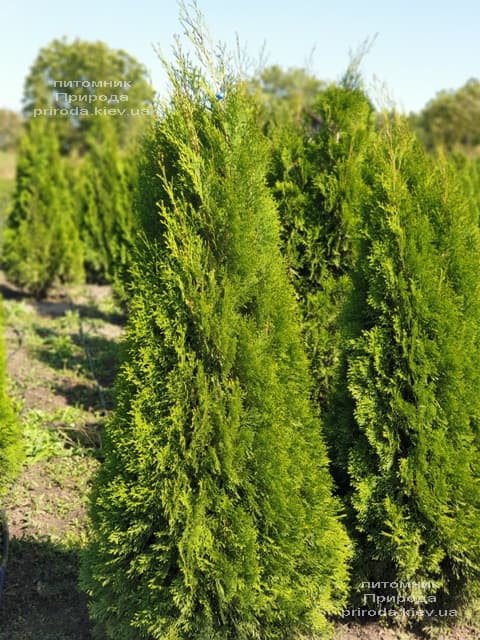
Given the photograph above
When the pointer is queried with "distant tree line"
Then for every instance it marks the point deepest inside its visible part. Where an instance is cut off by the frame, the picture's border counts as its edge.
(452, 120)
(75, 174)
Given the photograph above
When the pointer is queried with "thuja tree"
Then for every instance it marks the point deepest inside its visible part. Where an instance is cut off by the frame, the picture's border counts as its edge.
(104, 198)
(10, 437)
(469, 171)
(212, 514)
(413, 376)
(41, 242)
(317, 180)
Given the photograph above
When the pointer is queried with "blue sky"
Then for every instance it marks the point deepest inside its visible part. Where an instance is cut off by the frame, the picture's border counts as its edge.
(421, 47)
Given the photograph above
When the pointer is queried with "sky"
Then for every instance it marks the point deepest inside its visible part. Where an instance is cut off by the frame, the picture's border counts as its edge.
(419, 47)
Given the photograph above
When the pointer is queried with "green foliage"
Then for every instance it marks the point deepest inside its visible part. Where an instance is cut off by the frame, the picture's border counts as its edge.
(82, 61)
(41, 242)
(212, 515)
(104, 193)
(317, 180)
(413, 376)
(94, 146)
(469, 172)
(286, 94)
(53, 435)
(6, 191)
(10, 438)
(452, 120)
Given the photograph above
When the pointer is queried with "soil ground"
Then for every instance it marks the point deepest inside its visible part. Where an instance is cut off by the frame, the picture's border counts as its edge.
(63, 354)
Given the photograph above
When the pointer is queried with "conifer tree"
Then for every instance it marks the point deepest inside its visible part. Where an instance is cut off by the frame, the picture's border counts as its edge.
(317, 180)
(41, 241)
(104, 195)
(212, 515)
(413, 375)
(10, 440)
(469, 171)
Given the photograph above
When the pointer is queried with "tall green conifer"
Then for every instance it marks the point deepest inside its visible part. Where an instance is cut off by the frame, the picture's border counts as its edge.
(212, 515)
(317, 181)
(469, 170)
(10, 441)
(104, 194)
(41, 241)
(413, 375)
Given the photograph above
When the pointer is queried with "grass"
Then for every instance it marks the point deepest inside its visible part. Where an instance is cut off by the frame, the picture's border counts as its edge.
(63, 354)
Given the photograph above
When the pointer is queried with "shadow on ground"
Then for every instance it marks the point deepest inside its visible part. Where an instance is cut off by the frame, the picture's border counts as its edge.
(93, 356)
(56, 307)
(41, 600)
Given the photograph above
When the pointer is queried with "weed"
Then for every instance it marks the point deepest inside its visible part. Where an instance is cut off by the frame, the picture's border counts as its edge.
(62, 433)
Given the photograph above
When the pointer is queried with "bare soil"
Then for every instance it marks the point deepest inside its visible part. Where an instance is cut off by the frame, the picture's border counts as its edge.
(377, 632)
(65, 394)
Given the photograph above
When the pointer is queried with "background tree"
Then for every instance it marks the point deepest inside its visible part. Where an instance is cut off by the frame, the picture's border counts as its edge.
(87, 62)
(41, 241)
(10, 129)
(104, 191)
(286, 94)
(452, 120)
(94, 150)
(212, 515)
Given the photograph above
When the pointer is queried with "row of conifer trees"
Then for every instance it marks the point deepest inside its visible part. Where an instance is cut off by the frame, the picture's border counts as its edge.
(71, 217)
(214, 515)
(297, 414)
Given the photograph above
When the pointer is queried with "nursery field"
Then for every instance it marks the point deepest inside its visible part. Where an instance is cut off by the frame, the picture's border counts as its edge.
(239, 375)
(63, 353)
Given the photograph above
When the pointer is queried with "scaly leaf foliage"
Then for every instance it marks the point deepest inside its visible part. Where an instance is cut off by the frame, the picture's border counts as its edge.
(10, 434)
(212, 516)
(317, 180)
(41, 241)
(104, 196)
(414, 326)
